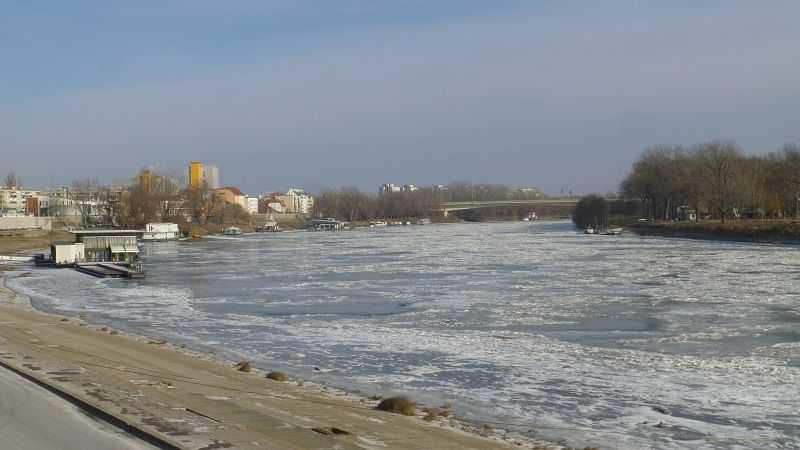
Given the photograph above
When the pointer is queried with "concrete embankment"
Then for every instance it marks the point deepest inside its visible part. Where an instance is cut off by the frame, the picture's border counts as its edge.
(34, 419)
(175, 399)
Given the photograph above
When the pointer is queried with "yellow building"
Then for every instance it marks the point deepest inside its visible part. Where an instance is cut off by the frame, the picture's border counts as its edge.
(195, 174)
(146, 180)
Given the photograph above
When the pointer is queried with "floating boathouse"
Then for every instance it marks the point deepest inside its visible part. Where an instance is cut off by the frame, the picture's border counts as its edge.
(109, 245)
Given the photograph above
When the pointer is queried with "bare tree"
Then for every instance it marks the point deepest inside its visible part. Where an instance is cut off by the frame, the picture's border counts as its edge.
(12, 181)
(753, 173)
(201, 204)
(718, 178)
(659, 180)
(148, 199)
(720, 162)
(84, 194)
(789, 175)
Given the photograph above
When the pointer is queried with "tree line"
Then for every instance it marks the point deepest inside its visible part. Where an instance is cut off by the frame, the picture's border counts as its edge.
(353, 205)
(717, 180)
(157, 198)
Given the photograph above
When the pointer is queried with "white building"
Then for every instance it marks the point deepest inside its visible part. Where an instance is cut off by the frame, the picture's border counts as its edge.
(276, 206)
(210, 176)
(13, 201)
(67, 253)
(62, 205)
(161, 232)
(389, 188)
(252, 205)
(297, 201)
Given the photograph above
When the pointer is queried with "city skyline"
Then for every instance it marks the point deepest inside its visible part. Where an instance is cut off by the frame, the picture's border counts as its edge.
(554, 95)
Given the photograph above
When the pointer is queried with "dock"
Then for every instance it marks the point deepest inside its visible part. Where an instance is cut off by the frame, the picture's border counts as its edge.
(108, 270)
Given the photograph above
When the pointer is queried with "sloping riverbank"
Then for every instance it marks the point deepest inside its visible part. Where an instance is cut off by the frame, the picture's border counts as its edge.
(192, 400)
(774, 232)
(26, 244)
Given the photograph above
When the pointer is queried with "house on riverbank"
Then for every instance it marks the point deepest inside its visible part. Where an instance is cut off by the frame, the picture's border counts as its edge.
(109, 245)
(161, 232)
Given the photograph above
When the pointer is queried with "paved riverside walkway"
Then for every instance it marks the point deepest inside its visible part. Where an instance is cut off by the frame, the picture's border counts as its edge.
(188, 402)
(31, 418)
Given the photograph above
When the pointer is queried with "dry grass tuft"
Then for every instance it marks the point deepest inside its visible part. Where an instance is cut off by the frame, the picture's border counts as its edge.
(433, 413)
(277, 376)
(397, 405)
(430, 414)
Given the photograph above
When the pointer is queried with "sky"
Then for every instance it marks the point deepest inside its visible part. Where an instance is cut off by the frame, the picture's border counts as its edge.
(557, 94)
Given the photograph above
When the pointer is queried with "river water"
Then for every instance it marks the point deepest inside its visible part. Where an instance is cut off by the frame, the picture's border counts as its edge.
(622, 341)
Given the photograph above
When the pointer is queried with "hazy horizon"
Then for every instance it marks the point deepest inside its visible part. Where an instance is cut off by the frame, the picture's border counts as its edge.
(556, 95)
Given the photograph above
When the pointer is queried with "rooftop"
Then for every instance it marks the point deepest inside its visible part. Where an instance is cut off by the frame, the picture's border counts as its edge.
(235, 190)
(105, 232)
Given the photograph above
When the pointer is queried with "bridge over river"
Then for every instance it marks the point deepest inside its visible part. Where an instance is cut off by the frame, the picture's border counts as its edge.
(447, 207)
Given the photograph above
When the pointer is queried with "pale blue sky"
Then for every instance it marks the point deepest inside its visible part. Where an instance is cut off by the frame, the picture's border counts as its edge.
(358, 92)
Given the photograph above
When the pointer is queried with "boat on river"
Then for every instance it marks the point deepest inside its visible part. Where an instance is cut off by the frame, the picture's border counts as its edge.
(232, 231)
(268, 227)
(530, 217)
(329, 224)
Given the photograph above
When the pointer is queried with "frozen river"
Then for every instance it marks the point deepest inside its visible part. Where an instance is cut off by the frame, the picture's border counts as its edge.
(622, 341)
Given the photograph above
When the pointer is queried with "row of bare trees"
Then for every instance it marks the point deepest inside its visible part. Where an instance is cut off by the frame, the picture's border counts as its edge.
(155, 198)
(151, 198)
(715, 179)
(158, 198)
(354, 205)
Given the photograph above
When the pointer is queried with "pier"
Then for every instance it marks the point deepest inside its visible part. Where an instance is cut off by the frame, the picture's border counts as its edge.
(109, 270)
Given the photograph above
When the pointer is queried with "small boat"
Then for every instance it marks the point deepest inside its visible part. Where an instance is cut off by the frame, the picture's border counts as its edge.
(424, 221)
(589, 230)
(232, 231)
(329, 224)
(268, 227)
(613, 231)
(377, 223)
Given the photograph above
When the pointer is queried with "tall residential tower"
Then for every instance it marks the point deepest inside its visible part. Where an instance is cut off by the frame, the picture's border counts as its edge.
(203, 176)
